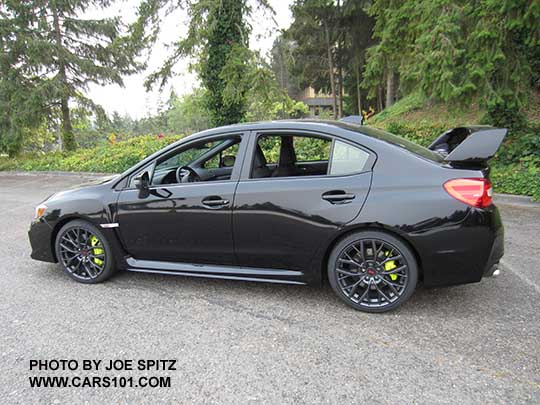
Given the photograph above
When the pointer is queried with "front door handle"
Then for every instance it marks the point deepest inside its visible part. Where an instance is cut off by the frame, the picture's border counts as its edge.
(338, 197)
(215, 201)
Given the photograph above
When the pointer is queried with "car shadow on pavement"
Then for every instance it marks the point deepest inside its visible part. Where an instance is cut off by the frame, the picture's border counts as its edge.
(449, 302)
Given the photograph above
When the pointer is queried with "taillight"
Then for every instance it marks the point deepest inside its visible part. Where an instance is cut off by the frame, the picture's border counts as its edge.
(474, 192)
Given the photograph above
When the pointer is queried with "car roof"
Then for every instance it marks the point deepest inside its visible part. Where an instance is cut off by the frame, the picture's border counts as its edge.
(369, 137)
(305, 124)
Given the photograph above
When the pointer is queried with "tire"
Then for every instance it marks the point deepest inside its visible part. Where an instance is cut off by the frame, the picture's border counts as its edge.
(364, 276)
(91, 260)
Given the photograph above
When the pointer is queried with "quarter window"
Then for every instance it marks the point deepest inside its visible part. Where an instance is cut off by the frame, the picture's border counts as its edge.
(347, 159)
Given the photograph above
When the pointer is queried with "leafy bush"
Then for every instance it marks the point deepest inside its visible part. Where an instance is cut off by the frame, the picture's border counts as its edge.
(422, 133)
(517, 178)
(515, 169)
(520, 146)
(504, 112)
(105, 158)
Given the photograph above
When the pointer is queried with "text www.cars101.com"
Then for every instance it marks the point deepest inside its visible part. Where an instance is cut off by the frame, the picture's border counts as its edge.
(99, 382)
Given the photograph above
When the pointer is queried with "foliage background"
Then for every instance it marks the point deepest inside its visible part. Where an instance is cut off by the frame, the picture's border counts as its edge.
(423, 65)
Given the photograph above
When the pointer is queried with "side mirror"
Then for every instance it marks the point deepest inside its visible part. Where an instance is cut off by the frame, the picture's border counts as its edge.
(227, 161)
(142, 181)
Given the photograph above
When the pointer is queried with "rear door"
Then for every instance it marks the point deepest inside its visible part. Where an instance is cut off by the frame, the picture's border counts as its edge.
(281, 221)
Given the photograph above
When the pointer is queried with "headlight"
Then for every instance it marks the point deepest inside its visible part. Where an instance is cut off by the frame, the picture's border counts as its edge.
(40, 210)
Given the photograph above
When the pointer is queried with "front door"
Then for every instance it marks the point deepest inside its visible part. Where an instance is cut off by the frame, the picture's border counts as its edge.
(186, 214)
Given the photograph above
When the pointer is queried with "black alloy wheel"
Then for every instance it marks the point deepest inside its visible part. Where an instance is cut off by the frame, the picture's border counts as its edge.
(84, 252)
(373, 271)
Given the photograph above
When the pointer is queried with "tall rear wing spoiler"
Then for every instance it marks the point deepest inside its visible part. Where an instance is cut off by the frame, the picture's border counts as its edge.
(474, 144)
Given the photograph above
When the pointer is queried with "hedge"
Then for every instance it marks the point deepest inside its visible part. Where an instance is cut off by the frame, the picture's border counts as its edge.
(104, 158)
(515, 170)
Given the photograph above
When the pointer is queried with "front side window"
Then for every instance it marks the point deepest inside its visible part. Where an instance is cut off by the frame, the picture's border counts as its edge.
(225, 158)
(185, 157)
(203, 161)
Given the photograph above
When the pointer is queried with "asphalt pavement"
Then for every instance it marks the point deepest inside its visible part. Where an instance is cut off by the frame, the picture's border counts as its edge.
(239, 342)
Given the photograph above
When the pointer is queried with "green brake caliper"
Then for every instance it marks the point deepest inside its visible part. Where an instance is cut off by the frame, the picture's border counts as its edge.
(390, 265)
(94, 242)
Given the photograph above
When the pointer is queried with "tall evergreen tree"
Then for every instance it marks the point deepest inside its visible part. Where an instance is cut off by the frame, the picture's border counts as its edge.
(218, 41)
(224, 61)
(315, 32)
(69, 51)
(330, 38)
(455, 50)
(23, 90)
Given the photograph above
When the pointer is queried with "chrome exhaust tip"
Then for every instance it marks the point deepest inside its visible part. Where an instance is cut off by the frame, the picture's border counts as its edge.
(494, 271)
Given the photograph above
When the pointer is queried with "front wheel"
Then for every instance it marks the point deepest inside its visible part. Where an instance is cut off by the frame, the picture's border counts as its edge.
(372, 271)
(84, 253)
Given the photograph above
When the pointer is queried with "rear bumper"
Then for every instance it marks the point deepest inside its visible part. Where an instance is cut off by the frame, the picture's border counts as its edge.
(40, 234)
(467, 252)
(497, 252)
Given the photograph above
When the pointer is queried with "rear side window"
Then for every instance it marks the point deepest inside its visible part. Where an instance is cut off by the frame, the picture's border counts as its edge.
(293, 155)
(269, 145)
(347, 159)
(310, 149)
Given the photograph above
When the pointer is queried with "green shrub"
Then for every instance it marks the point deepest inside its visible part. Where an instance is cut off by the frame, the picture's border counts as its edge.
(505, 112)
(422, 132)
(521, 178)
(515, 169)
(104, 158)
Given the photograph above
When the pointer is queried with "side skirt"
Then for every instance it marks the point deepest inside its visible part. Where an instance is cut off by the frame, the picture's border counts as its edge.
(215, 271)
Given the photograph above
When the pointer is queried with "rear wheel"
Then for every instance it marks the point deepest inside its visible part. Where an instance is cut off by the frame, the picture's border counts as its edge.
(372, 271)
(84, 253)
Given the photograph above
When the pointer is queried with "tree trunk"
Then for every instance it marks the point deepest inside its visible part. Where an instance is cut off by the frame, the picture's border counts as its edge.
(340, 83)
(68, 139)
(340, 62)
(331, 68)
(358, 94)
(340, 105)
(379, 98)
(390, 77)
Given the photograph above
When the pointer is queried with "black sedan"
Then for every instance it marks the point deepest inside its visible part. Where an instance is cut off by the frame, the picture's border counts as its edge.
(294, 202)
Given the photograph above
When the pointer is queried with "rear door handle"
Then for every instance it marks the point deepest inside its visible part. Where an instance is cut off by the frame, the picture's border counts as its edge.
(338, 197)
(215, 202)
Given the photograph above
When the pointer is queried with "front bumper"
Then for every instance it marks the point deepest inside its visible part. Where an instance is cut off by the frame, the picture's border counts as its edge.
(40, 235)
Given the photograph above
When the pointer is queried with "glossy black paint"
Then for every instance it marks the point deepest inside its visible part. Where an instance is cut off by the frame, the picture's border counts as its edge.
(281, 229)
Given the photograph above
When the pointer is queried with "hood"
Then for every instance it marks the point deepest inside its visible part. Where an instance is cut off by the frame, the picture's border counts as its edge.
(86, 187)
